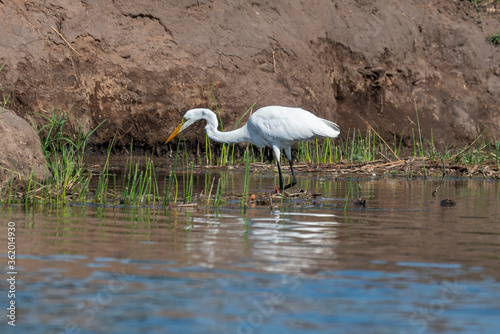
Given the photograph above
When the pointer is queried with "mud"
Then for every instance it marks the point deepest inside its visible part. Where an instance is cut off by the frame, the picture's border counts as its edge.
(140, 64)
(407, 167)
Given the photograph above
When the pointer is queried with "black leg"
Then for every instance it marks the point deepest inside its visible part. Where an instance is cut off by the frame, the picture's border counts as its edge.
(281, 176)
(277, 154)
(294, 177)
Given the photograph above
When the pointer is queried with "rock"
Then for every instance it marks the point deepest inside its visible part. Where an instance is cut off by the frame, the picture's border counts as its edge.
(21, 149)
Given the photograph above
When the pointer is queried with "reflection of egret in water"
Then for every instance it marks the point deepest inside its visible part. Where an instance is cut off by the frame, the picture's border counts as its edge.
(208, 235)
(294, 242)
(278, 242)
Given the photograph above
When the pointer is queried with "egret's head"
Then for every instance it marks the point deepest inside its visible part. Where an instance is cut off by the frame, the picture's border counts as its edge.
(189, 118)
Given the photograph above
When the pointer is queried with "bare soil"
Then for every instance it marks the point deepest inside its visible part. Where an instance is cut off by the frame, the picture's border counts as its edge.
(141, 64)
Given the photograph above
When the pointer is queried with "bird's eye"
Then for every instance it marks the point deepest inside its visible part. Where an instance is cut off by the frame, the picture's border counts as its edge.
(184, 120)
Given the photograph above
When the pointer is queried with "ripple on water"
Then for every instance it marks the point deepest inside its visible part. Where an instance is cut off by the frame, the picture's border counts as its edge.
(403, 264)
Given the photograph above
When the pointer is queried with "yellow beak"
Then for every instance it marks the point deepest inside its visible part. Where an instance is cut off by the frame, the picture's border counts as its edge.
(176, 131)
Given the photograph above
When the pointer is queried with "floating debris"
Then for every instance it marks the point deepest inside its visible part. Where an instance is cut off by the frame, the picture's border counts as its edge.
(448, 203)
(360, 202)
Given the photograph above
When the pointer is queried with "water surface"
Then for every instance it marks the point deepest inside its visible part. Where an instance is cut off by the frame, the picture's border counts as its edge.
(401, 264)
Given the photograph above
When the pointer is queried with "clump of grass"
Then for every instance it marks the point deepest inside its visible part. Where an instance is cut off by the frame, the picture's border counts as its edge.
(355, 147)
(101, 192)
(494, 39)
(188, 185)
(172, 180)
(217, 197)
(60, 132)
(421, 147)
(476, 4)
(5, 98)
(6, 189)
(63, 146)
(497, 151)
(348, 194)
(140, 186)
(69, 177)
(184, 166)
(244, 195)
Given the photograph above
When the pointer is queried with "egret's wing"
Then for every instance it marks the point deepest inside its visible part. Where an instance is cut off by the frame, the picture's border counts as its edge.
(283, 126)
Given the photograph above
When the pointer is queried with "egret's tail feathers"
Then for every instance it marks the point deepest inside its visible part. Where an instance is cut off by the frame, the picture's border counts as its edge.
(335, 130)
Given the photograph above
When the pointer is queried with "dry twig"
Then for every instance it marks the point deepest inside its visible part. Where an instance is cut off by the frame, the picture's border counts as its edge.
(64, 39)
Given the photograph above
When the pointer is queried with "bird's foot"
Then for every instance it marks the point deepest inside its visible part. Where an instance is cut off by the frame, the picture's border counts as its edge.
(280, 192)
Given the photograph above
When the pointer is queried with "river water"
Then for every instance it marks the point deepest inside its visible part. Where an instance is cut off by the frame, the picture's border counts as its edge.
(401, 264)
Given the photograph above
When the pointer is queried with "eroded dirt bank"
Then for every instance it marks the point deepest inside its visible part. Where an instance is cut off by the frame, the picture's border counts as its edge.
(141, 64)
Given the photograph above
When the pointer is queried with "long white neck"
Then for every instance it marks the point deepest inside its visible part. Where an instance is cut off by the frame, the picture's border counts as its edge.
(240, 135)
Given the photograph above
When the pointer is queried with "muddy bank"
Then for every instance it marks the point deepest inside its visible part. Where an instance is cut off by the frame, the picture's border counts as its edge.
(141, 64)
(407, 167)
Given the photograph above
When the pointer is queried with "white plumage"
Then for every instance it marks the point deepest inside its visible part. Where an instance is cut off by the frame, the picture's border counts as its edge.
(274, 126)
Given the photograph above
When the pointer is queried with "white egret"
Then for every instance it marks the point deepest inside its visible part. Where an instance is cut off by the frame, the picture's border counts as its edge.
(274, 126)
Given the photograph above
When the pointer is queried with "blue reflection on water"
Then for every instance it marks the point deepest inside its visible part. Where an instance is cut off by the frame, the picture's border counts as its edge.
(194, 299)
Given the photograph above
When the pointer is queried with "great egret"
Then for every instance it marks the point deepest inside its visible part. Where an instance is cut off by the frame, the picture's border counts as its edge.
(274, 126)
